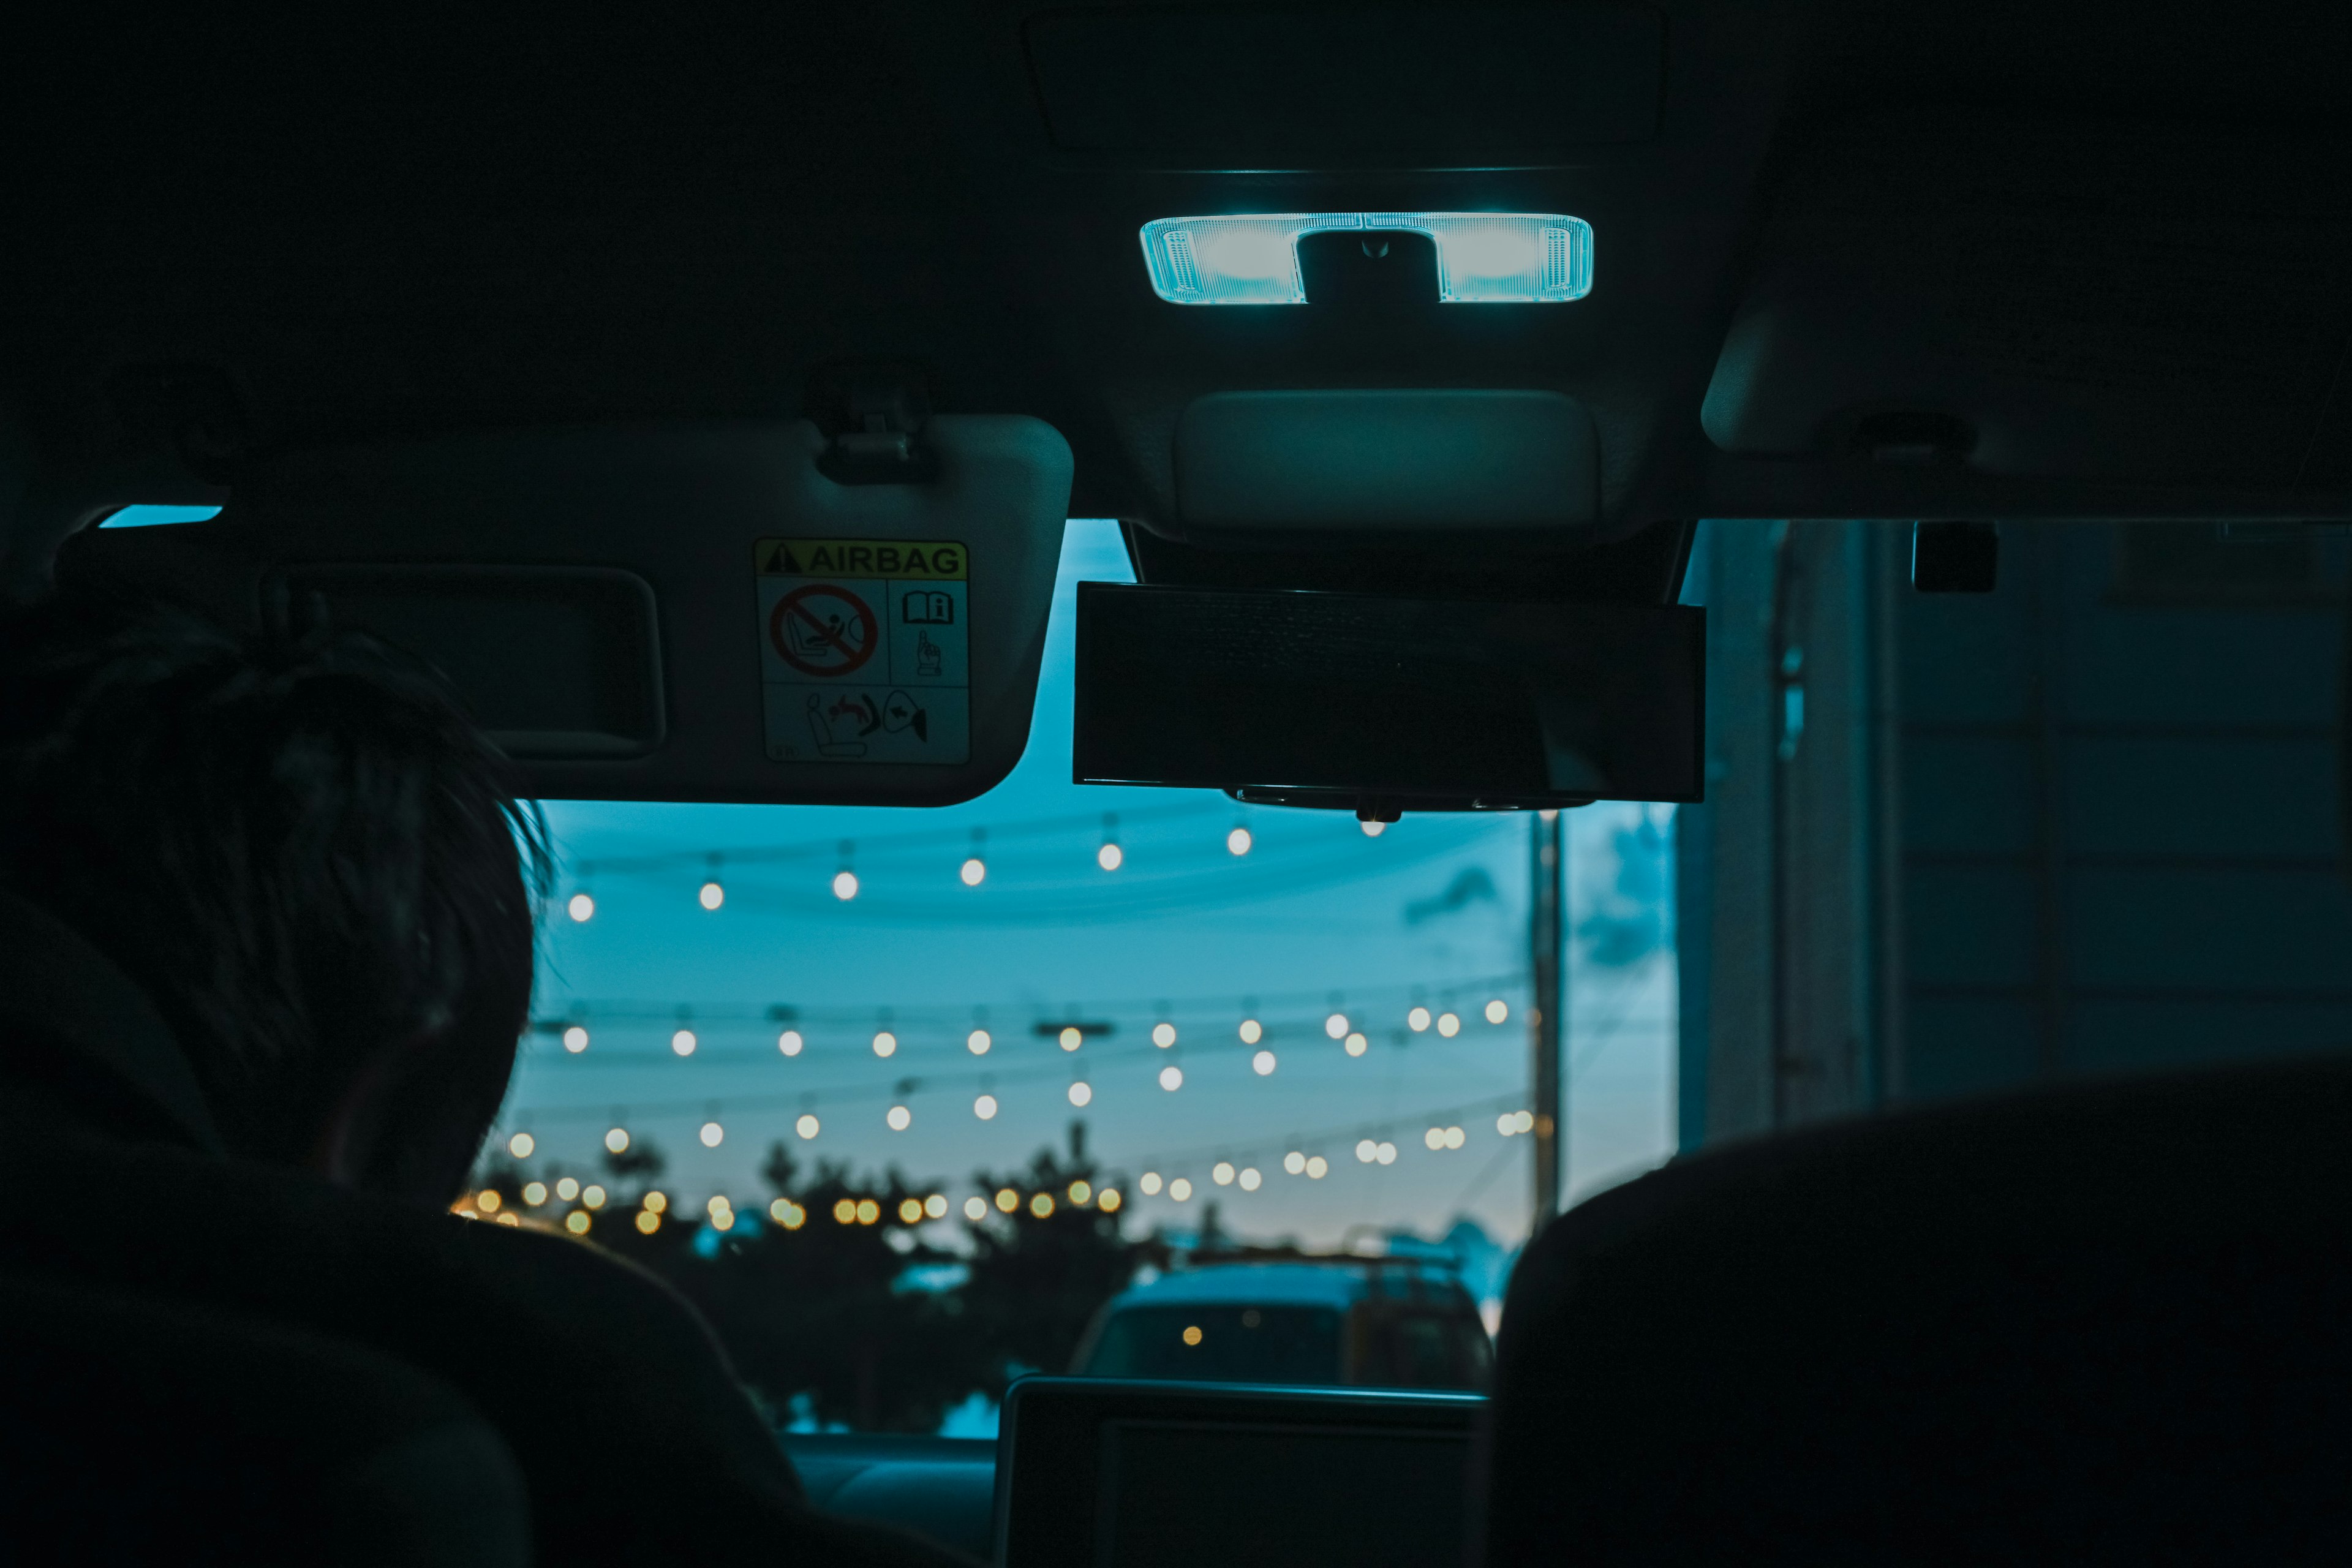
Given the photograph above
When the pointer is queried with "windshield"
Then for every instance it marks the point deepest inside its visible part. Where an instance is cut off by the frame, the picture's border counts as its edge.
(902, 1099)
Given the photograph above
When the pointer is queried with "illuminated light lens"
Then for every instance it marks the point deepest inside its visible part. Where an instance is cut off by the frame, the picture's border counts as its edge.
(655, 1201)
(1109, 1201)
(978, 1042)
(1373, 829)
(1222, 1173)
(975, 1208)
(1150, 1184)
(1294, 1161)
(684, 1042)
(1042, 1206)
(886, 1044)
(508, 1219)
(1434, 1138)
(534, 1192)
(1081, 1093)
(1250, 1179)
(1453, 1137)
(1336, 1026)
(576, 1223)
(845, 885)
(806, 1126)
(1448, 1024)
(713, 1134)
(1181, 1190)
(1417, 1020)
(974, 872)
(1358, 1045)
(1171, 1078)
(575, 1039)
(582, 908)
(846, 1211)
(791, 1215)
(1507, 1124)
(1252, 258)
(711, 896)
(1263, 1064)
(487, 1201)
(1080, 1192)
(1007, 1200)
(1497, 1011)
(1192, 1335)
(1317, 1167)
(1525, 1121)
(521, 1145)
(1110, 857)
(1163, 1035)
(719, 1203)
(1367, 1150)
(723, 1220)
(868, 1211)
(593, 1197)
(936, 1206)
(1238, 841)
(1387, 1153)
(648, 1222)
(900, 1119)
(984, 1107)
(1071, 1039)
(910, 1212)
(567, 1189)
(1252, 1031)
(790, 1042)
(617, 1139)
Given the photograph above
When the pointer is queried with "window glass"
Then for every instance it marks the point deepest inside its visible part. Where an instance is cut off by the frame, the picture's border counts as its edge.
(1221, 1345)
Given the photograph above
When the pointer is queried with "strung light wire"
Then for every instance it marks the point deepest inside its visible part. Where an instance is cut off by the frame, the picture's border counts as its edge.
(845, 881)
(1110, 856)
(974, 870)
(712, 893)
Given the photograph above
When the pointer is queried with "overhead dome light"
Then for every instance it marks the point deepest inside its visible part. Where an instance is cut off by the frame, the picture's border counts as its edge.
(1482, 258)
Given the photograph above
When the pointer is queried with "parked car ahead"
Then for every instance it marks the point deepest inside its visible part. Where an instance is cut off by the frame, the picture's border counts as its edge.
(1376, 1322)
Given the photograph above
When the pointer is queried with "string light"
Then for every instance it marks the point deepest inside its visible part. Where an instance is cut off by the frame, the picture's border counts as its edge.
(1109, 1200)
(845, 885)
(1181, 1190)
(1042, 1206)
(1367, 1150)
(487, 1199)
(846, 1211)
(534, 1192)
(1171, 1078)
(1250, 1179)
(575, 1039)
(1072, 1038)
(576, 1222)
(711, 896)
(1238, 841)
(900, 1119)
(806, 1127)
(886, 1044)
(1295, 1162)
(1418, 1020)
(868, 1211)
(1252, 1031)
(617, 1139)
(1498, 1011)
(1387, 1153)
(936, 1206)
(1263, 1064)
(1110, 857)
(567, 1189)
(790, 1042)
(1081, 1092)
(1511, 1124)
(1080, 1192)
(656, 1201)
(1150, 1184)
(581, 907)
(713, 1134)
(648, 1222)
(975, 1208)
(910, 1211)
(1163, 1035)
(1448, 1024)
(789, 1215)
(978, 1042)
(1317, 1167)
(508, 1219)
(683, 1042)
(1222, 1173)
(1357, 1045)
(1336, 1026)
(1373, 829)
(594, 1196)
(521, 1145)
(1007, 1200)
(984, 1107)
(974, 869)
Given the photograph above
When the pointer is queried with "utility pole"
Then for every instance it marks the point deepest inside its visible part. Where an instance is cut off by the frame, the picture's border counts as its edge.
(1547, 1009)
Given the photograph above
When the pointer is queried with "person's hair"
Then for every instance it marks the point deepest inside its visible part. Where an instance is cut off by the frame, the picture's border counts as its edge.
(296, 842)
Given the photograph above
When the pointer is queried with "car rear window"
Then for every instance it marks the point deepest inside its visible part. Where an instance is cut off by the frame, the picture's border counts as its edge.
(1221, 1345)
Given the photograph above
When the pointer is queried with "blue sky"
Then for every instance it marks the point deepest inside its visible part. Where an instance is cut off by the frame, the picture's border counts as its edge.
(1315, 919)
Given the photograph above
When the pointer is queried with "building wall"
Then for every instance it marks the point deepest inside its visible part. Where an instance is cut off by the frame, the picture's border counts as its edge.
(2090, 822)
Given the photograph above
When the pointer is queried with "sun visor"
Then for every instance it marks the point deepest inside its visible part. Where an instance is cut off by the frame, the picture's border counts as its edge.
(670, 613)
(1445, 462)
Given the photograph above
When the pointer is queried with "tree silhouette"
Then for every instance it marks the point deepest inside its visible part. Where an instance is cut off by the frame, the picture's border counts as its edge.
(1036, 1281)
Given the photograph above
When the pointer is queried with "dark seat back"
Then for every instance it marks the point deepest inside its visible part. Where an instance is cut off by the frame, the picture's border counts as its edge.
(136, 1432)
(2102, 1324)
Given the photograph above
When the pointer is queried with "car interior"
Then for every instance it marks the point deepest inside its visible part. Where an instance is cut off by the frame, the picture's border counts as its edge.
(1505, 406)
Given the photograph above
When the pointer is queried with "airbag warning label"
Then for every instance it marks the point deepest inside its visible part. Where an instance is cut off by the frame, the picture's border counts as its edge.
(864, 651)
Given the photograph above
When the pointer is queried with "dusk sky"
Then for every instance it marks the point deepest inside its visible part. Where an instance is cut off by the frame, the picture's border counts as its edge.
(1316, 918)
